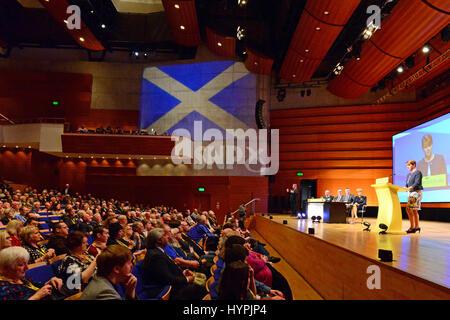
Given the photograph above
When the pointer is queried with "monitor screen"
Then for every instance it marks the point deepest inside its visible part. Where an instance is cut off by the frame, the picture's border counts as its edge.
(429, 145)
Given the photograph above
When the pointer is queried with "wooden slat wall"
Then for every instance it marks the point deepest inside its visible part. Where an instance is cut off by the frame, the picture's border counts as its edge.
(345, 146)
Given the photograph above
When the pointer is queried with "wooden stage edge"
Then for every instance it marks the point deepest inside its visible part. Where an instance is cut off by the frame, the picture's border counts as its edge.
(339, 260)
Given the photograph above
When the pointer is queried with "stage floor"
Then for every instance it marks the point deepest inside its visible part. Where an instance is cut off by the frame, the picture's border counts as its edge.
(425, 255)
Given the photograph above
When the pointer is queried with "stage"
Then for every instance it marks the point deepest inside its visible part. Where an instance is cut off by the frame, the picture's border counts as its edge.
(335, 259)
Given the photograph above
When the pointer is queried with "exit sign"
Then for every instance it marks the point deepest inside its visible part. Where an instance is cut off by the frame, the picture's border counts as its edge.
(201, 189)
(299, 174)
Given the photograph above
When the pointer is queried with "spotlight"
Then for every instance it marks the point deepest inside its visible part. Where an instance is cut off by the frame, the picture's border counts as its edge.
(240, 33)
(426, 49)
(385, 255)
(304, 215)
(367, 224)
(383, 227)
(400, 69)
(299, 215)
(103, 26)
(136, 54)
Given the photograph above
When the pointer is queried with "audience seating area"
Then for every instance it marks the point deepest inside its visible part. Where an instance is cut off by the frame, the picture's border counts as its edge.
(195, 247)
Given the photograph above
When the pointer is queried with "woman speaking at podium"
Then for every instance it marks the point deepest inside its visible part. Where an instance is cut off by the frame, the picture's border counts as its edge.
(414, 185)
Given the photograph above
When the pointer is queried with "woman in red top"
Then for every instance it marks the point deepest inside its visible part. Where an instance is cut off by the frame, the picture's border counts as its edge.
(13, 228)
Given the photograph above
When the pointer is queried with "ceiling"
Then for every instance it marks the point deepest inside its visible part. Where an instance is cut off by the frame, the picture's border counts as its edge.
(153, 25)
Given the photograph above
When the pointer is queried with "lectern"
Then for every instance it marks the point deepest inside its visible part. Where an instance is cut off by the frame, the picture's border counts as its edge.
(389, 209)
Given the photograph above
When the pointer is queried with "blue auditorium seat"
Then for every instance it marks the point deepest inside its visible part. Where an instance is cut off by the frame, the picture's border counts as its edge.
(141, 292)
(90, 239)
(40, 274)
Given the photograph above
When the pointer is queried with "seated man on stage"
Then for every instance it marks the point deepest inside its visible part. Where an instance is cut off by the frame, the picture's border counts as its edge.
(339, 197)
(328, 197)
(348, 199)
(358, 202)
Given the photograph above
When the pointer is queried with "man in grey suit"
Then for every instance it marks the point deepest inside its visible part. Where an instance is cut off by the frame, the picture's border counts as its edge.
(339, 197)
(348, 199)
(114, 267)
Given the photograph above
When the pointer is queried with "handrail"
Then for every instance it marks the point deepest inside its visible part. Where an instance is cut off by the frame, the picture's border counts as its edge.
(256, 199)
(4, 117)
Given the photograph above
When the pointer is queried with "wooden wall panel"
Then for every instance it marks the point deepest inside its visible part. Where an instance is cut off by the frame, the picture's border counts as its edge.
(21, 90)
(126, 119)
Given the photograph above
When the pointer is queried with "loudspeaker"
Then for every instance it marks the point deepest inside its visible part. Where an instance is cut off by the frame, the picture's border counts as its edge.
(284, 221)
(385, 255)
(310, 230)
(259, 115)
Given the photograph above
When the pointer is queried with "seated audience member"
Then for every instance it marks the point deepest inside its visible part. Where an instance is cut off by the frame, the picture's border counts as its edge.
(22, 215)
(127, 237)
(116, 233)
(339, 197)
(7, 216)
(71, 219)
(5, 239)
(13, 283)
(184, 228)
(57, 241)
(263, 272)
(358, 202)
(328, 197)
(82, 129)
(200, 231)
(77, 268)
(30, 237)
(100, 130)
(109, 221)
(114, 265)
(13, 228)
(109, 130)
(96, 220)
(101, 236)
(36, 208)
(138, 235)
(159, 271)
(122, 220)
(237, 252)
(237, 282)
(85, 224)
(118, 130)
(178, 257)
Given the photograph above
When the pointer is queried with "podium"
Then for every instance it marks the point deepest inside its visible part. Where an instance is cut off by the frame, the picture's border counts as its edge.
(330, 212)
(389, 209)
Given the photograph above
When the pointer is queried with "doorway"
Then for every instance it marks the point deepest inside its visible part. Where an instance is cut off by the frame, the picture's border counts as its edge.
(308, 190)
(202, 202)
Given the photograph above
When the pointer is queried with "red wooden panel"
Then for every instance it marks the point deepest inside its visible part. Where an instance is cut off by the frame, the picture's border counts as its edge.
(356, 118)
(318, 164)
(336, 137)
(335, 155)
(58, 10)
(344, 145)
(258, 63)
(340, 110)
(411, 24)
(338, 11)
(116, 144)
(221, 45)
(354, 127)
(20, 90)
(184, 15)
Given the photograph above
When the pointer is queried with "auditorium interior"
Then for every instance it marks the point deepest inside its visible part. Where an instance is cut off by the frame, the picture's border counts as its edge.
(115, 116)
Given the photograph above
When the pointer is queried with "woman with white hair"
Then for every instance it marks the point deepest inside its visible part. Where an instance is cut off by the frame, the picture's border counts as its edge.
(13, 283)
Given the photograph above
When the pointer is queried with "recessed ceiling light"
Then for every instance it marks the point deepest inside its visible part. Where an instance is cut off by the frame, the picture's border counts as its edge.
(17, 146)
(307, 50)
(142, 158)
(103, 157)
(400, 69)
(426, 49)
(301, 60)
(29, 147)
(81, 39)
(103, 26)
(256, 63)
(92, 157)
(177, 6)
(182, 27)
(219, 44)
(293, 76)
(318, 29)
(129, 158)
(326, 13)
(65, 21)
(79, 156)
(67, 156)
